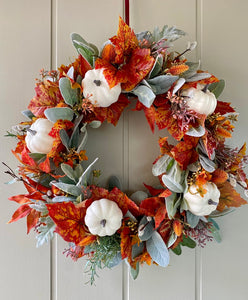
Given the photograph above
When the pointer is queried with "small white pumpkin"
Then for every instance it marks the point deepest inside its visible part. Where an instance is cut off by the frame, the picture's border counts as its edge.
(37, 138)
(103, 217)
(202, 205)
(199, 100)
(97, 90)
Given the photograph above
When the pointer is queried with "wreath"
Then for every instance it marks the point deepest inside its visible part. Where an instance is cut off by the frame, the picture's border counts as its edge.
(197, 174)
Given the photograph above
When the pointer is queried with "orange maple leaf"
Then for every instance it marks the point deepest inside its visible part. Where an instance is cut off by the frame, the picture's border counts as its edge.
(47, 95)
(69, 221)
(229, 197)
(185, 151)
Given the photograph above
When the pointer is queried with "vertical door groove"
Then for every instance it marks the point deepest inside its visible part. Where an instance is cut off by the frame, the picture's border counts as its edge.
(198, 251)
(53, 66)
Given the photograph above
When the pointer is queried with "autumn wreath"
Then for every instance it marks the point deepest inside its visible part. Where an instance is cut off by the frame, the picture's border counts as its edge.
(197, 175)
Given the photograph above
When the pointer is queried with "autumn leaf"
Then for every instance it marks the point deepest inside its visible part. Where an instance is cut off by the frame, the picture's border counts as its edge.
(219, 176)
(185, 151)
(47, 96)
(125, 42)
(153, 191)
(155, 207)
(229, 197)
(80, 65)
(177, 227)
(32, 219)
(116, 196)
(223, 108)
(178, 69)
(111, 114)
(126, 244)
(124, 61)
(69, 221)
(21, 212)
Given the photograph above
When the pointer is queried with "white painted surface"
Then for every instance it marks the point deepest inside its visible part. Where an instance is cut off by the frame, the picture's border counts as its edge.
(25, 49)
(25, 34)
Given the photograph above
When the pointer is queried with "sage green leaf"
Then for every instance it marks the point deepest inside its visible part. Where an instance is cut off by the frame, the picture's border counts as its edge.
(217, 87)
(172, 184)
(216, 234)
(192, 219)
(145, 229)
(172, 239)
(57, 199)
(82, 140)
(214, 223)
(188, 242)
(68, 188)
(161, 84)
(207, 164)
(156, 67)
(114, 261)
(95, 124)
(161, 165)
(177, 250)
(145, 95)
(217, 214)
(37, 156)
(172, 203)
(84, 177)
(113, 182)
(64, 138)
(59, 113)
(134, 272)
(198, 76)
(196, 131)
(193, 67)
(27, 113)
(87, 54)
(137, 249)
(69, 172)
(139, 196)
(70, 95)
(158, 250)
(74, 140)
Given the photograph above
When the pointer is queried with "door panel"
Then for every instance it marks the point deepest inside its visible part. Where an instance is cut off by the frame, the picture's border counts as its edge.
(25, 49)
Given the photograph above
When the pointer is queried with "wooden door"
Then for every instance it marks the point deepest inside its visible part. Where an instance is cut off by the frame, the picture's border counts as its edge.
(36, 34)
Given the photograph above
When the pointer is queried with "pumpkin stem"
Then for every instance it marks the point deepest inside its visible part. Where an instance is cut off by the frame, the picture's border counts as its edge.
(33, 132)
(205, 88)
(103, 222)
(212, 202)
(97, 82)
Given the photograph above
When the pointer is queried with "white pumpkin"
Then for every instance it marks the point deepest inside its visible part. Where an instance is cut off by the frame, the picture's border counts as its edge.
(97, 90)
(103, 217)
(202, 205)
(37, 138)
(201, 101)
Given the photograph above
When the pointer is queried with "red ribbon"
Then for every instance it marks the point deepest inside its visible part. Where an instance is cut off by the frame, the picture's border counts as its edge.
(127, 12)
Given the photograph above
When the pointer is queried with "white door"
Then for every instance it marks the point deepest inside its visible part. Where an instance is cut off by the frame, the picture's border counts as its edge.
(36, 34)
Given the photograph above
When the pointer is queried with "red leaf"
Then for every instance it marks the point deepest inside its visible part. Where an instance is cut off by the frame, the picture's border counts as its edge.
(223, 108)
(21, 199)
(153, 191)
(45, 165)
(32, 219)
(184, 152)
(69, 220)
(47, 95)
(112, 113)
(21, 212)
(126, 243)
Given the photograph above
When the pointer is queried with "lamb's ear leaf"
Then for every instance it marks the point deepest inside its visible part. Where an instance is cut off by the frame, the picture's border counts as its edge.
(217, 87)
(59, 113)
(158, 250)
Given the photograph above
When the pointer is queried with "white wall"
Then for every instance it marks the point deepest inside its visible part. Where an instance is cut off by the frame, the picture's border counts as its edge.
(214, 273)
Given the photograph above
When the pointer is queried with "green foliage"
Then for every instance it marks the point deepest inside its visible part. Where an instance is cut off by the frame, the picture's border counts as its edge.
(217, 87)
(59, 113)
(46, 232)
(70, 95)
(104, 251)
